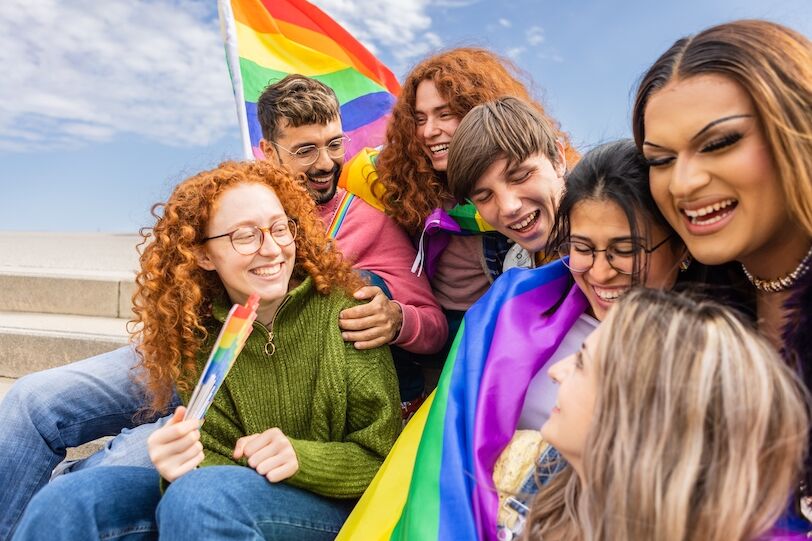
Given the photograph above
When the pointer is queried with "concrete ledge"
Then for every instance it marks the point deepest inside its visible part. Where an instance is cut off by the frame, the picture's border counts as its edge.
(31, 342)
(59, 294)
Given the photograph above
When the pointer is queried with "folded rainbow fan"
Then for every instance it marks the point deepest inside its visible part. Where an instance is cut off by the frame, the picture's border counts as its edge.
(230, 341)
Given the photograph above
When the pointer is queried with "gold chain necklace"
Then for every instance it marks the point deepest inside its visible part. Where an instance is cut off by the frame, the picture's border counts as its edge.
(781, 283)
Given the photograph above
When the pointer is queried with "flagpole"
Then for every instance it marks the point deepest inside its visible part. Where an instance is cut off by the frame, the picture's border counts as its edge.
(228, 29)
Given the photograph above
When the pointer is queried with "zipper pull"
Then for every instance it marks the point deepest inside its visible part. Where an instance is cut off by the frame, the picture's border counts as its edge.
(270, 348)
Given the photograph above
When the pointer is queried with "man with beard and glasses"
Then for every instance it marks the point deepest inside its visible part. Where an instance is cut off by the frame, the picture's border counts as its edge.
(301, 128)
(46, 412)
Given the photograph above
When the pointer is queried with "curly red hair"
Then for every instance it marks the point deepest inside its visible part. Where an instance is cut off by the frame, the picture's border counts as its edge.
(173, 297)
(407, 185)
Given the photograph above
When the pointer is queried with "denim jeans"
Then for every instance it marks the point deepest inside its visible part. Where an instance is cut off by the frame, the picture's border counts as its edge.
(46, 412)
(216, 502)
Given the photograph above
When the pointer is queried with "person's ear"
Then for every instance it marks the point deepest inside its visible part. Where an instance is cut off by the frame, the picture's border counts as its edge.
(560, 164)
(268, 151)
(203, 259)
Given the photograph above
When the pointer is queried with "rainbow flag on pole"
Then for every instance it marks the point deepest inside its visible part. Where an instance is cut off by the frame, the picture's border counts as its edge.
(268, 39)
(437, 481)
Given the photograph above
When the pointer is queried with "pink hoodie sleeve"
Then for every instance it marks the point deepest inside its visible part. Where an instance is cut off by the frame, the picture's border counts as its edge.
(372, 241)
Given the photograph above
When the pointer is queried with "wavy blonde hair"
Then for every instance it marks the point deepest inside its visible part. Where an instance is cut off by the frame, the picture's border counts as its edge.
(407, 185)
(774, 65)
(174, 296)
(699, 431)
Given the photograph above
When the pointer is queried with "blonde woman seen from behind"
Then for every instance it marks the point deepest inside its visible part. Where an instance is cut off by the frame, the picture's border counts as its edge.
(678, 423)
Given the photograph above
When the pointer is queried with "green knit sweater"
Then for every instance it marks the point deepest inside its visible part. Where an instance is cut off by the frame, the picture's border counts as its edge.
(338, 406)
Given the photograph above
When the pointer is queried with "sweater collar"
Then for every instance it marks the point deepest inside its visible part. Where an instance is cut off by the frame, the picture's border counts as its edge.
(296, 296)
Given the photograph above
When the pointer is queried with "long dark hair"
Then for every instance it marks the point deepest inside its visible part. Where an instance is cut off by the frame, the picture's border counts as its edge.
(614, 172)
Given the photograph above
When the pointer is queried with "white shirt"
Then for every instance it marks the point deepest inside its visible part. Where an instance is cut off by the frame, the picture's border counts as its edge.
(542, 391)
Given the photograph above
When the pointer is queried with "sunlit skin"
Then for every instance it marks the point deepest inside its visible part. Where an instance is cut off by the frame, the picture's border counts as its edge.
(568, 425)
(436, 124)
(714, 178)
(598, 223)
(520, 200)
(175, 448)
(322, 176)
(266, 272)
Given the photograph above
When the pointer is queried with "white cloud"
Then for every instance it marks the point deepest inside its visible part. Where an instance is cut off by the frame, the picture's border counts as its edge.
(401, 27)
(515, 52)
(535, 35)
(84, 71)
(505, 23)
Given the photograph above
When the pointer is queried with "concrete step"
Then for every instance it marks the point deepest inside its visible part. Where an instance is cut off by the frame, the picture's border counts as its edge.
(37, 341)
(66, 291)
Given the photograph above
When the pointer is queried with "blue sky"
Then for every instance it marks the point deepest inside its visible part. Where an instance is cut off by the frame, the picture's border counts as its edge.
(104, 106)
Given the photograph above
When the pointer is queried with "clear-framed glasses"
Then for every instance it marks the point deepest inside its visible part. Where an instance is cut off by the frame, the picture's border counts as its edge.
(579, 256)
(247, 240)
(309, 154)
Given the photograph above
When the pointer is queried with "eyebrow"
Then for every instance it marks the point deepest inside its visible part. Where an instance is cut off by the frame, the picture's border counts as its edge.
(708, 126)
(611, 240)
(251, 223)
(433, 109)
(514, 168)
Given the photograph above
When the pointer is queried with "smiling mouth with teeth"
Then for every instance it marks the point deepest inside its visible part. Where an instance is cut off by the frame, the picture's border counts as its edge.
(527, 222)
(609, 295)
(712, 213)
(438, 148)
(267, 271)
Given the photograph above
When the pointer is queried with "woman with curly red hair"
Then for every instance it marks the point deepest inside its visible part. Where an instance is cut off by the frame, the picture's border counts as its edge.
(412, 181)
(303, 420)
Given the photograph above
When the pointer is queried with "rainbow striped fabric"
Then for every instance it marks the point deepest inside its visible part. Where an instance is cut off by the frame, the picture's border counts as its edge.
(437, 481)
(236, 328)
(269, 39)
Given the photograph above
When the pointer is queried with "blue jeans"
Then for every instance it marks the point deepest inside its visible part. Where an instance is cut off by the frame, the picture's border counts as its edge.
(46, 412)
(216, 502)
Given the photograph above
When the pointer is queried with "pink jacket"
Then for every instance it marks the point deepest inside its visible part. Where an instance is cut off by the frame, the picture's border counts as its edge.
(372, 241)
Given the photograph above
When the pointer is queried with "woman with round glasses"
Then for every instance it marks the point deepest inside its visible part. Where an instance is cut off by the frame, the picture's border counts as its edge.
(303, 420)
(608, 229)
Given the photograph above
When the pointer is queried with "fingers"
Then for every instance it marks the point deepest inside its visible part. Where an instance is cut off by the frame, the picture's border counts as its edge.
(363, 310)
(164, 450)
(359, 324)
(282, 471)
(266, 454)
(368, 292)
(239, 448)
(262, 440)
(271, 454)
(177, 417)
(371, 344)
(172, 432)
(181, 464)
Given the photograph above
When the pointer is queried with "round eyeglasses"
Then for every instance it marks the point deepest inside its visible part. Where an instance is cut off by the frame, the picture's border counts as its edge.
(309, 154)
(247, 240)
(579, 256)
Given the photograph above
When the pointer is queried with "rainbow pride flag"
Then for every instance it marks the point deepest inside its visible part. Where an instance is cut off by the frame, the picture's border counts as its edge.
(437, 481)
(268, 39)
(236, 328)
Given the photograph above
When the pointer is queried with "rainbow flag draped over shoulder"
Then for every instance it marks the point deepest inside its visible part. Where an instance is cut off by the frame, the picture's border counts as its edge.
(269, 39)
(437, 481)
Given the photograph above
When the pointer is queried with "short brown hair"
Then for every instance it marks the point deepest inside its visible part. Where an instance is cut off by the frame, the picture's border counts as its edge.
(505, 128)
(298, 99)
